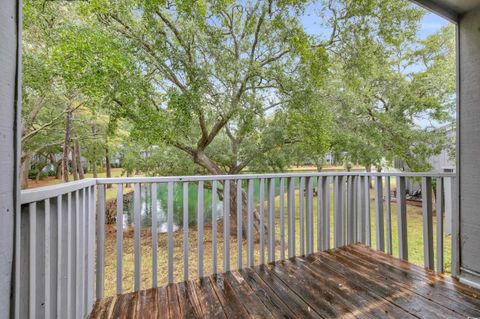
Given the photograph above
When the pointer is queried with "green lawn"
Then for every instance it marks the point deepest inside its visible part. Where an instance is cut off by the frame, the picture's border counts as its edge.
(415, 248)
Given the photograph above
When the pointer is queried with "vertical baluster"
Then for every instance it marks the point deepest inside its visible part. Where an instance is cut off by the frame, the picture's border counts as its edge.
(154, 230)
(319, 214)
(59, 256)
(78, 264)
(455, 220)
(301, 212)
(362, 214)
(119, 234)
(69, 255)
(185, 231)
(427, 222)
(379, 219)
(356, 208)
(100, 242)
(282, 218)
(271, 219)
(250, 259)
(47, 304)
(439, 217)
(18, 296)
(309, 216)
(83, 251)
(239, 223)
(326, 216)
(200, 228)
(291, 217)
(170, 230)
(226, 226)
(343, 217)
(32, 283)
(368, 225)
(261, 226)
(337, 204)
(350, 210)
(92, 213)
(137, 248)
(214, 227)
(389, 214)
(402, 219)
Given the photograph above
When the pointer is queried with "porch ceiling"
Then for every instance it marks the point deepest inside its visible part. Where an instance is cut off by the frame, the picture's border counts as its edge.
(450, 9)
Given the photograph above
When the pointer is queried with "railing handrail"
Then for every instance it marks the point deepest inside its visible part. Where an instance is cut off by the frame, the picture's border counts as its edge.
(40, 193)
(197, 178)
(44, 192)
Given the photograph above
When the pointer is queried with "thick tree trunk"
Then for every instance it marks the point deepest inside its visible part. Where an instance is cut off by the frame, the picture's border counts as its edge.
(202, 159)
(78, 157)
(108, 168)
(66, 143)
(94, 169)
(25, 168)
(74, 165)
(58, 169)
(94, 162)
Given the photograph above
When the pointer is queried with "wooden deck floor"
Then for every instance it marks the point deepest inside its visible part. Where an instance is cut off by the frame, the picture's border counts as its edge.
(354, 281)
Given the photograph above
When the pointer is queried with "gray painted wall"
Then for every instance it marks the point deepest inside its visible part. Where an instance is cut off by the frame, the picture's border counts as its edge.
(8, 148)
(469, 145)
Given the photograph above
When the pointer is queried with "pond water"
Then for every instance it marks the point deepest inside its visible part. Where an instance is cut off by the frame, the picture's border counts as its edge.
(146, 199)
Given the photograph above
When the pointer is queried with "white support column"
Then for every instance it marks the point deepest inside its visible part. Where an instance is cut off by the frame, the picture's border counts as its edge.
(468, 149)
(10, 110)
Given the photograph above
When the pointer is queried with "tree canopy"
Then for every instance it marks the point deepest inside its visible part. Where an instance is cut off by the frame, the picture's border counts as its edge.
(229, 85)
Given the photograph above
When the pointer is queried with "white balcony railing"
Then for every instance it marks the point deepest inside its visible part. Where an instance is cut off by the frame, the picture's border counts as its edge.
(60, 233)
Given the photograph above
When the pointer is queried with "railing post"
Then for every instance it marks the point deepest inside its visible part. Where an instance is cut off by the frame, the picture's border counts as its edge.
(119, 234)
(368, 225)
(250, 259)
(214, 227)
(389, 214)
(337, 204)
(291, 217)
(427, 222)
(439, 218)
(379, 222)
(271, 219)
(301, 211)
(200, 228)
(402, 219)
(350, 210)
(282, 218)
(455, 228)
(325, 212)
(239, 223)
(309, 216)
(226, 226)
(361, 210)
(261, 226)
(100, 242)
(154, 231)
(185, 231)
(136, 243)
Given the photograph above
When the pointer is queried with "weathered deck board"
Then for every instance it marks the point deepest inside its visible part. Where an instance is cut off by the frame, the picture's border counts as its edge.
(351, 282)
